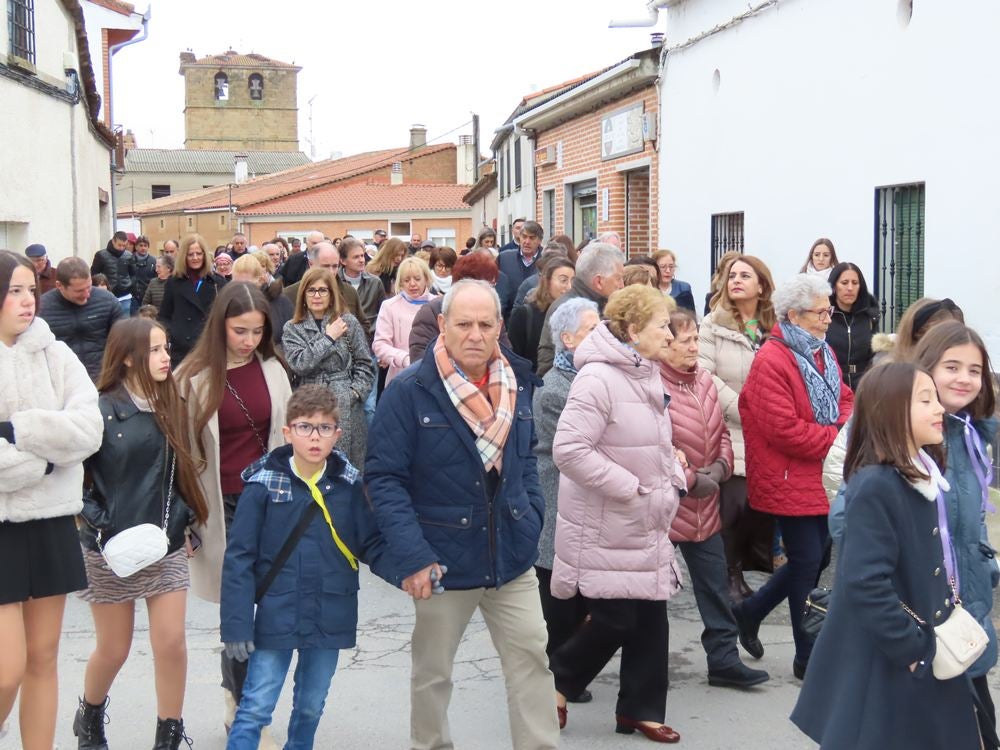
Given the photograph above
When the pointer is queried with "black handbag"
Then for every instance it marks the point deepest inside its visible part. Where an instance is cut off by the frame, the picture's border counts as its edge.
(817, 605)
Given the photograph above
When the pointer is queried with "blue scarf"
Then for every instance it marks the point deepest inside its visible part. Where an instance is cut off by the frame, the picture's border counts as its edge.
(412, 301)
(564, 361)
(823, 388)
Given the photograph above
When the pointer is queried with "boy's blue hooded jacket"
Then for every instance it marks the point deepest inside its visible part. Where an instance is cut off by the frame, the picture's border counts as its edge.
(313, 602)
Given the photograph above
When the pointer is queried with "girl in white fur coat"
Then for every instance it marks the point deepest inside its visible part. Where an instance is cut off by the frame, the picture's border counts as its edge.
(49, 423)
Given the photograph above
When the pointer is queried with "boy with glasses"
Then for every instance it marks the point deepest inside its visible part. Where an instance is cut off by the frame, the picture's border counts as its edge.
(303, 498)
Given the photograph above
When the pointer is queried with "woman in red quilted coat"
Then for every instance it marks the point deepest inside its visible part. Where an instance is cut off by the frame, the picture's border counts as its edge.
(792, 407)
(699, 430)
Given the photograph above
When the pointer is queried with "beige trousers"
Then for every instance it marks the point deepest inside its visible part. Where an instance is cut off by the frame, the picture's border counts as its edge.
(513, 614)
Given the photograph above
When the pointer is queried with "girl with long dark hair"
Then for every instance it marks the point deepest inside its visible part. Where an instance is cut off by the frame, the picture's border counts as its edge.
(144, 473)
(236, 389)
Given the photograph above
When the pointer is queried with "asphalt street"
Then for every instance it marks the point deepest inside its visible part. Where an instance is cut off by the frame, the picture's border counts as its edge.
(368, 705)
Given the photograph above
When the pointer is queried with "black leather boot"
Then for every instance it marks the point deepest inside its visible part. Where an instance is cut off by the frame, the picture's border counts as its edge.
(88, 726)
(169, 733)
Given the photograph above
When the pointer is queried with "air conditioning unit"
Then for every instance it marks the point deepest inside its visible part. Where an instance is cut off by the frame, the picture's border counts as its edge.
(649, 126)
(545, 156)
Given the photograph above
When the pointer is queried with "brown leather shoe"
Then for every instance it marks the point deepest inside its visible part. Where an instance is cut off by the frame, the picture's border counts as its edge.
(662, 733)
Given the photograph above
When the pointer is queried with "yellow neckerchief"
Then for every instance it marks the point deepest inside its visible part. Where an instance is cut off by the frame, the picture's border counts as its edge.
(313, 486)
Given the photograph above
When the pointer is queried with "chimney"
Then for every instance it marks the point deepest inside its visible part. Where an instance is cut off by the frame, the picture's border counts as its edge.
(240, 169)
(396, 174)
(418, 136)
(656, 39)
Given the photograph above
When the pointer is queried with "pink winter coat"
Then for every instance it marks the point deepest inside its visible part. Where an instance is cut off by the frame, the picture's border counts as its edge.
(700, 431)
(392, 332)
(619, 478)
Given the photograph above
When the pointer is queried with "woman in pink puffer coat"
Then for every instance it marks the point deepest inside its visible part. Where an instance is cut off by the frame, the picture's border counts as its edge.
(699, 430)
(618, 493)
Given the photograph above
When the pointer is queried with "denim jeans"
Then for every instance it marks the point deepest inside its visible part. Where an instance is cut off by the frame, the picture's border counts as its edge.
(706, 562)
(370, 401)
(265, 678)
(805, 544)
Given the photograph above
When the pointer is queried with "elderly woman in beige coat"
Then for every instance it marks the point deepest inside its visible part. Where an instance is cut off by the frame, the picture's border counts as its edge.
(236, 390)
(729, 337)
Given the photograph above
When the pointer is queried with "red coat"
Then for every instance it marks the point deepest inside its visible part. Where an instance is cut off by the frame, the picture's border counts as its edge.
(785, 446)
(700, 431)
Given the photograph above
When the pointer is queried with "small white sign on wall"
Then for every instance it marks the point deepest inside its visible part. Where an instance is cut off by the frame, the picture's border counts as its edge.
(605, 203)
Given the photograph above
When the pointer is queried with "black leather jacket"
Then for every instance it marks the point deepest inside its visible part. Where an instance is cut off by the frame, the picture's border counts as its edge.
(130, 475)
(145, 271)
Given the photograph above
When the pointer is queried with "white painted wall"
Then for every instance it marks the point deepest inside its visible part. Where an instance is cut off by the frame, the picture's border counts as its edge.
(519, 203)
(51, 162)
(819, 103)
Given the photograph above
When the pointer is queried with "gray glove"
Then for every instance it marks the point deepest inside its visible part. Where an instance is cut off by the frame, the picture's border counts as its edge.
(716, 471)
(436, 586)
(239, 650)
(704, 486)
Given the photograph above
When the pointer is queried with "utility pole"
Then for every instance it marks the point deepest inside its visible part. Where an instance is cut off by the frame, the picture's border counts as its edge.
(475, 148)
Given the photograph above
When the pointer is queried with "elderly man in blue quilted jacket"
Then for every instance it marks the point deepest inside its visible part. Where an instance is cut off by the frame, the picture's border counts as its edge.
(451, 474)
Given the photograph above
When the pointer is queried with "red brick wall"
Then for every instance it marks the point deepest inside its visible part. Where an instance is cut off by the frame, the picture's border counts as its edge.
(581, 152)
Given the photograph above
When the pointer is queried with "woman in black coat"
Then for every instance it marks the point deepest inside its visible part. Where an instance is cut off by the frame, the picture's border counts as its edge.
(188, 296)
(854, 322)
(870, 682)
(526, 319)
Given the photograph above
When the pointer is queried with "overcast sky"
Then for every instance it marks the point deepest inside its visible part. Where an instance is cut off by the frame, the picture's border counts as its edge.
(376, 66)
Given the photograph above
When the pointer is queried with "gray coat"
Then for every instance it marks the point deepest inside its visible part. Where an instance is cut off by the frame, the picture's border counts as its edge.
(548, 405)
(344, 366)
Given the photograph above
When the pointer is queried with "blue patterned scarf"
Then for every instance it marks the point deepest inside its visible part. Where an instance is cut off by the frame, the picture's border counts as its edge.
(564, 361)
(823, 388)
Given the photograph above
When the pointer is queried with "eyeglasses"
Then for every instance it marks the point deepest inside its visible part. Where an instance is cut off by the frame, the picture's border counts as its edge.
(304, 429)
(317, 291)
(823, 313)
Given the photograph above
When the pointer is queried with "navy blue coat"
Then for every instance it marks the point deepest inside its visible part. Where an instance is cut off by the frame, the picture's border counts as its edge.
(426, 482)
(313, 602)
(512, 265)
(681, 292)
(859, 693)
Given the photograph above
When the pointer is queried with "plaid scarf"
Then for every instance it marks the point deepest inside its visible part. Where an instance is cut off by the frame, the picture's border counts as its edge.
(489, 419)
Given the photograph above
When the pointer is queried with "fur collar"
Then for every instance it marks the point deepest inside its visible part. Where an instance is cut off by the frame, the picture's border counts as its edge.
(929, 487)
(36, 337)
(883, 342)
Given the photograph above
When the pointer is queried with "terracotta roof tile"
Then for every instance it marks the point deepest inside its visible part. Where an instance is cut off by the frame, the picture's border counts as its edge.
(287, 182)
(366, 198)
(234, 58)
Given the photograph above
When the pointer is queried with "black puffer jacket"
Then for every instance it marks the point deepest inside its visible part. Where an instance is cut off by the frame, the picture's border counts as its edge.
(131, 476)
(118, 266)
(850, 337)
(83, 328)
(145, 271)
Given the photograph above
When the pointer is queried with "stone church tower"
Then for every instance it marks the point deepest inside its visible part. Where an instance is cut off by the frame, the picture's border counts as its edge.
(235, 102)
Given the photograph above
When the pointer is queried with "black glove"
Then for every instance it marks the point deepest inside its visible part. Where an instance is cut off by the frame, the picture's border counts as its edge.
(704, 486)
(7, 431)
(716, 471)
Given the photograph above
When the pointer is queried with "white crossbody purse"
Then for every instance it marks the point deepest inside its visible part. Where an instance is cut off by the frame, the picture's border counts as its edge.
(138, 547)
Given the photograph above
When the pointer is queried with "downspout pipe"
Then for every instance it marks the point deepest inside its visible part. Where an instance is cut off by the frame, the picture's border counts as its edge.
(111, 111)
(651, 19)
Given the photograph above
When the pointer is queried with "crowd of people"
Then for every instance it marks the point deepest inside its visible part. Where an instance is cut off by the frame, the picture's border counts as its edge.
(534, 432)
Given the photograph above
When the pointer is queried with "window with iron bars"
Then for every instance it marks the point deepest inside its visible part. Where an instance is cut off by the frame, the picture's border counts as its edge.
(899, 250)
(727, 234)
(21, 29)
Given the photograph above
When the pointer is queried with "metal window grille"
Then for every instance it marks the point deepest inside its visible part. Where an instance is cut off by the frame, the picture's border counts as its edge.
(899, 250)
(727, 234)
(21, 28)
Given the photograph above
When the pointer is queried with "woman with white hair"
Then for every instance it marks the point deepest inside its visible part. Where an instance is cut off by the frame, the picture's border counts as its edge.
(792, 407)
(570, 325)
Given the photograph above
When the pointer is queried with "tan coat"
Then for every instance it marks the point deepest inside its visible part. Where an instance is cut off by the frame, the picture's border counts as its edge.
(727, 353)
(206, 565)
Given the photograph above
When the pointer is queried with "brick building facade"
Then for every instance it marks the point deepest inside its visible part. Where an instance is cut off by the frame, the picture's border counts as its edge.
(596, 165)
